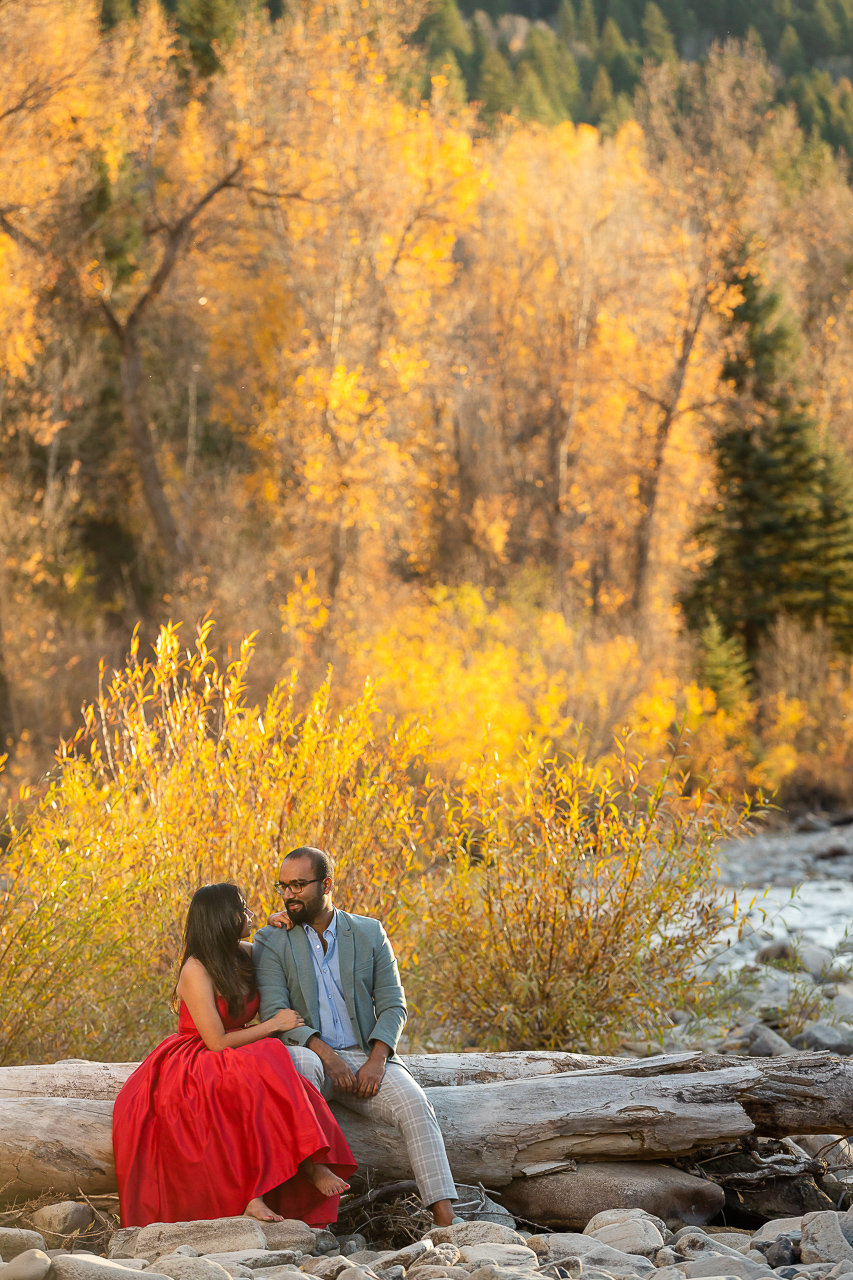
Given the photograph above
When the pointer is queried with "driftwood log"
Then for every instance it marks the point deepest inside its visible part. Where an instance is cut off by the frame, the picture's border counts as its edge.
(504, 1116)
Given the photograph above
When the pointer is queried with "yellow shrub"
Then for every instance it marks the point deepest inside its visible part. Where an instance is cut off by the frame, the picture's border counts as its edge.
(176, 783)
(572, 906)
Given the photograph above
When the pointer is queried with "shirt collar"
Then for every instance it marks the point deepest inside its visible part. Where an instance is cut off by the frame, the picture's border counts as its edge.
(331, 930)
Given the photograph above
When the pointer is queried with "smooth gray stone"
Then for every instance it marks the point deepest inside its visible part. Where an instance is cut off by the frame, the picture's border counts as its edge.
(32, 1264)
(86, 1266)
(211, 1235)
(15, 1240)
(58, 1221)
(181, 1267)
(255, 1259)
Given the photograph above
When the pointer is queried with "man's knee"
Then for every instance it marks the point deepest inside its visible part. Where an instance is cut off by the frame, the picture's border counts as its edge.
(307, 1064)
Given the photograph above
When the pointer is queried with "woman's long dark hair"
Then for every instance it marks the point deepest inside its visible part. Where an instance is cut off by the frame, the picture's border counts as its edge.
(215, 921)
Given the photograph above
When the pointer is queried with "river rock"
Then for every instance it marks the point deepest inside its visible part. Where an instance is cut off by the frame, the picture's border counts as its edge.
(824, 1036)
(592, 1252)
(781, 1226)
(406, 1256)
(32, 1264)
(58, 1221)
(254, 1259)
(324, 1241)
(123, 1242)
(823, 1239)
(612, 1216)
(326, 1267)
(764, 1042)
(516, 1256)
(427, 1271)
(639, 1236)
(181, 1267)
(87, 1266)
(716, 1264)
(571, 1199)
(280, 1273)
(208, 1235)
(292, 1234)
(783, 1252)
(15, 1240)
(696, 1244)
(492, 1272)
(475, 1233)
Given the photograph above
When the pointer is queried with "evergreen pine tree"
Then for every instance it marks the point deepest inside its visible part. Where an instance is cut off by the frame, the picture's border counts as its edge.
(614, 53)
(790, 54)
(556, 74)
(601, 97)
(723, 665)
(588, 27)
(566, 22)
(205, 24)
(533, 102)
(781, 532)
(496, 89)
(658, 44)
(444, 29)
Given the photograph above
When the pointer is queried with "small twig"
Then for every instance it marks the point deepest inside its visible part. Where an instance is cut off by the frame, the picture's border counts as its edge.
(378, 1193)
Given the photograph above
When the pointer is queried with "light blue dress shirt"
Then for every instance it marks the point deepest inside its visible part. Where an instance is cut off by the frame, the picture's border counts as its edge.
(335, 1025)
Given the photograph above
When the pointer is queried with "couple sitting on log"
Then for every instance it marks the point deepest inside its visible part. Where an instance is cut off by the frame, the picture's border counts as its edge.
(226, 1118)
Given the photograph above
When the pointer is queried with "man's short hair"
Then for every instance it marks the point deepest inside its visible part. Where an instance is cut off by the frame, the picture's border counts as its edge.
(322, 864)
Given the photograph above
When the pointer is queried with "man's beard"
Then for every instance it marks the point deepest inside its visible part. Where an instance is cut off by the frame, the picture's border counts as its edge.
(297, 912)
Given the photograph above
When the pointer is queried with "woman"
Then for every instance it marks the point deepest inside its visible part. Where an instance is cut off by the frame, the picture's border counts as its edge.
(216, 1121)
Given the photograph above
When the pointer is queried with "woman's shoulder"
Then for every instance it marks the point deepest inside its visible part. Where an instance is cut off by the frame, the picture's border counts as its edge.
(193, 974)
(246, 947)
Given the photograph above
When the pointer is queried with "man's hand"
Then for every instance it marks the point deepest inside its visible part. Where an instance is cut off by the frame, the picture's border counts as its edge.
(370, 1074)
(340, 1075)
(369, 1077)
(280, 920)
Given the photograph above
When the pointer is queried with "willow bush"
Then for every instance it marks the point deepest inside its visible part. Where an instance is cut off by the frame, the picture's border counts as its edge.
(550, 911)
(176, 781)
(573, 906)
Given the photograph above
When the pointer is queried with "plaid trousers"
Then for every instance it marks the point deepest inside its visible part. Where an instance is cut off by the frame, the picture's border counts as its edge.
(400, 1101)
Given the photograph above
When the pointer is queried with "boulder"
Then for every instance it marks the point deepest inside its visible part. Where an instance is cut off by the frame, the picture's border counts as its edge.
(516, 1256)
(715, 1265)
(781, 1226)
(823, 1239)
(58, 1221)
(356, 1243)
(696, 1244)
(281, 1273)
(571, 1199)
(592, 1252)
(475, 1233)
(180, 1267)
(491, 1272)
(406, 1256)
(208, 1235)
(324, 1241)
(764, 1042)
(326, 1267)
(15, 1240)
(824, 1036)
(360, 1258)
(133, 1264)
(632, 1237)
(254, 1259)
(611, 1216)
(32, 1264)
(86, 1266)
(443, 1272)
(783, 1252)
(292, 1234)
(123, 1242)
(475, 1206)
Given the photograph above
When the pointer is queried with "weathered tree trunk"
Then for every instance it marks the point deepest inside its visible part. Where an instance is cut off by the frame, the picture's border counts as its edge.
(535, 1122)
(79, 1078)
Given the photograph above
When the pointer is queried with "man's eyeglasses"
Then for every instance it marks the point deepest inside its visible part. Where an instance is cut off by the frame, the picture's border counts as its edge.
(284, 887)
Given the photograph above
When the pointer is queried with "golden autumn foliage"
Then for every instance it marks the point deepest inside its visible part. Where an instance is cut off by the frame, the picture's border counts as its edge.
(418, 396)
(175, 780)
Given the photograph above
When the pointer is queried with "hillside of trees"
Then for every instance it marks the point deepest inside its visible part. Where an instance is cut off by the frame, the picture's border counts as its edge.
(502, 359)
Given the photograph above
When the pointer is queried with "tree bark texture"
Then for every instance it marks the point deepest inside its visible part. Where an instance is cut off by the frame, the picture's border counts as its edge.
(527, 1125)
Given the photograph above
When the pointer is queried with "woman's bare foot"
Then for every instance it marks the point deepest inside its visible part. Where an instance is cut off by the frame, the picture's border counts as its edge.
(323, 1178)
(257, 1209)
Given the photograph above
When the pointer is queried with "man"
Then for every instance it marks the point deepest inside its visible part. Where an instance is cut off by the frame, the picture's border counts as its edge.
(338, 971)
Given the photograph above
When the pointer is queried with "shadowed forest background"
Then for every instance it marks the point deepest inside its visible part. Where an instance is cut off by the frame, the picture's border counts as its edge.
(502, 359)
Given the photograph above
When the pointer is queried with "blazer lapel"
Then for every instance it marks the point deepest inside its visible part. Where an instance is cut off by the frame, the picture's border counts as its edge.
(346, 964)
(304, 963)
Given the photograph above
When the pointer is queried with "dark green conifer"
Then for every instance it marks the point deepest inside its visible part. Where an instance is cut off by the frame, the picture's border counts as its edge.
(790, 54)
(588, 27)
(567, 22)
(601, 97)
(206, 24)
(496, 88)
(658, 44)
(781, 531)
(723, 666)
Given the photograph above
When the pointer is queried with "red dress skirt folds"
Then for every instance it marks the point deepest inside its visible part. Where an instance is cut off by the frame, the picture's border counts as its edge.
(198, 1134)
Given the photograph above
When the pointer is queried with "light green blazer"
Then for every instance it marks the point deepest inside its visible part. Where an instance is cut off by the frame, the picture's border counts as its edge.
(370, 979)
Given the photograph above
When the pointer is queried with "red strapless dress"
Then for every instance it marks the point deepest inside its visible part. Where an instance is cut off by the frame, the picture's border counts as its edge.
(198, 1134)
